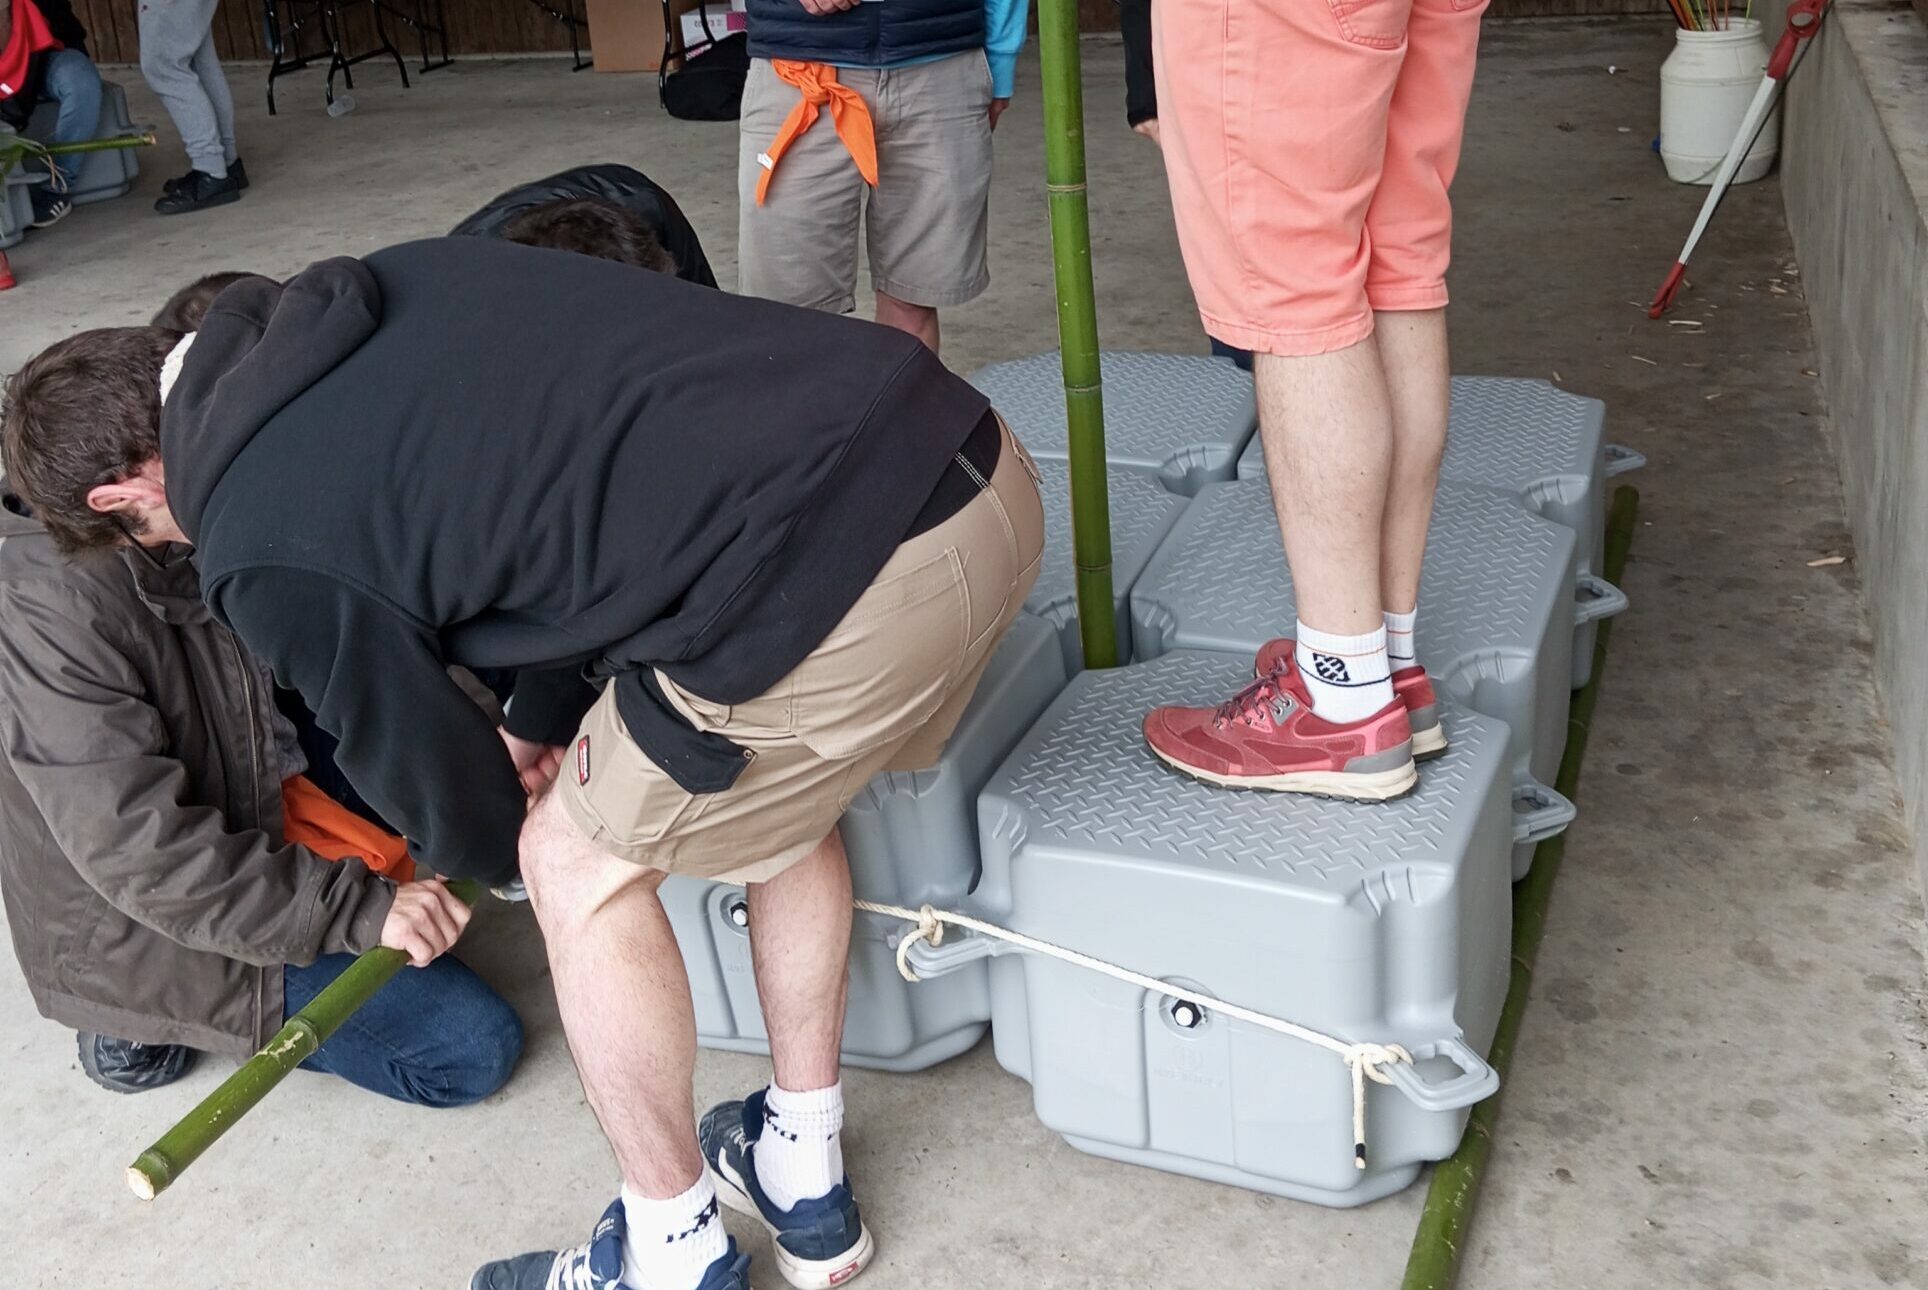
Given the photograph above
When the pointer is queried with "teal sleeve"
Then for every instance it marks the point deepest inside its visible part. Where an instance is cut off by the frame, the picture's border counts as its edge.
(1004, 27)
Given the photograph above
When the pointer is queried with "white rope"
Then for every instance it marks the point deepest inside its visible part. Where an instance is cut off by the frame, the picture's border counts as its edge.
(1364, 1061)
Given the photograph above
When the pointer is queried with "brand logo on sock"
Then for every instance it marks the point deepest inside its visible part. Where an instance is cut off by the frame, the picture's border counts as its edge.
(1331, 669)
(704, 1218)
(582, 760)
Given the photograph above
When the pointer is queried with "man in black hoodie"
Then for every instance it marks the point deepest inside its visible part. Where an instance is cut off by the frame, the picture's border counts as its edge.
(790, 543)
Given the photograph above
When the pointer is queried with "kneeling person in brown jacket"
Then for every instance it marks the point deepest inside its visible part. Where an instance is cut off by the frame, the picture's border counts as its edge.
(156, 903)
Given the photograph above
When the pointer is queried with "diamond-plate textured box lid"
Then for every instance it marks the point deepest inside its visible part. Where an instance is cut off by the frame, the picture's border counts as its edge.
(1142, 513)
(1182, 417)
(1520, 436)
(1083, 777)
(1220, 581)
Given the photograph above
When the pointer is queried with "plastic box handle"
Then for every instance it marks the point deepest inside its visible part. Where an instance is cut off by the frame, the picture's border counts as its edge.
(1539, 813)
(1595, 598)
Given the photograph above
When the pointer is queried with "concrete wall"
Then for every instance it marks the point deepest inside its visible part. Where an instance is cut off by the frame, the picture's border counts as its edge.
(1855, 178)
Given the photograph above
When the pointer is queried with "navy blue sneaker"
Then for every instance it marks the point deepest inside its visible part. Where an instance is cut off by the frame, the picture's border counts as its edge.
(819, 1244)
(596, 1265)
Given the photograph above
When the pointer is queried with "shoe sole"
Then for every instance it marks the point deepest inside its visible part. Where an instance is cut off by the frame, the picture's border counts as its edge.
(1341, 785)
(804, 1274)
(51, 220)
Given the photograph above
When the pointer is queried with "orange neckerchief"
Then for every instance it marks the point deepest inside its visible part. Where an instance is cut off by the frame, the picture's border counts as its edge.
(848, 112)
(317, 821)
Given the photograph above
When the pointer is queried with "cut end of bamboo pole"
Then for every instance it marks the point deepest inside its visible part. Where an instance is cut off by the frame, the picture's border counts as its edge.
(140, 1184)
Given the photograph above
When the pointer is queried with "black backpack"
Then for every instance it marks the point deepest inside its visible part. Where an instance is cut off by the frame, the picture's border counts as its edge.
(709, 84)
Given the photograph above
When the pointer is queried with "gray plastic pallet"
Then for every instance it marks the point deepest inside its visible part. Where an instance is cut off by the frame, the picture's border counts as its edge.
(1183, 418)
(1387, 923)
(1498, 600)
(1142, 513)
(103, 175)
(16, 209)
(912, 837)
(1539, 443)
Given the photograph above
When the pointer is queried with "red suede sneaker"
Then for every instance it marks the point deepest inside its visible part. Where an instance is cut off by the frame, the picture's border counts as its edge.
(1268, 737)
(1411, 684)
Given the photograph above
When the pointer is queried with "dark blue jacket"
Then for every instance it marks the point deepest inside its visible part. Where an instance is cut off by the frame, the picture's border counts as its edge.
(876, 33)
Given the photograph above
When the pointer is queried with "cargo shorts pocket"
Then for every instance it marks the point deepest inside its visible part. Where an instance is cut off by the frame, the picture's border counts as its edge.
(1376, 24)
(889, 665)
(629, 799)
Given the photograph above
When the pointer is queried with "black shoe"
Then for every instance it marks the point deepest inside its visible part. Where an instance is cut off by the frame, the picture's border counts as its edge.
(49, 208)
(123, 1066)
(236, 171)
(198, 190)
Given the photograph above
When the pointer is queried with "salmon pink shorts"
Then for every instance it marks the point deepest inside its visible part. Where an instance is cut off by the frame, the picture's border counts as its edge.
(1310, 145)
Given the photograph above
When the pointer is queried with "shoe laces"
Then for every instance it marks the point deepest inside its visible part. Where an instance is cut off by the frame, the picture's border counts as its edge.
(1252, 705)
(571, 1271)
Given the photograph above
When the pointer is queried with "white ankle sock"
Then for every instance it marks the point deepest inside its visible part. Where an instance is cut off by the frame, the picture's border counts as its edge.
(671, 1243)
(1348, 677)
(799, 1155)
(1399, 640)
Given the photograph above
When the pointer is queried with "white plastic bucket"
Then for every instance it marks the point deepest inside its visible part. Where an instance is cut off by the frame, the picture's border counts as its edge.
(1705, 87)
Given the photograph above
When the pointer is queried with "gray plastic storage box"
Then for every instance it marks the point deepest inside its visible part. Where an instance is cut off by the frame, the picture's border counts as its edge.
(103, 175)
(1142, 513)
(1545, 446)
(1498, 599)
(912, 838)
(1385, 923)
(1181, 417)
(16, 208)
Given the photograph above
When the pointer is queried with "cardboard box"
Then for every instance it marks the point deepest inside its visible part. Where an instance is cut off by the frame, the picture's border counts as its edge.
(627, 35)
(722, 21)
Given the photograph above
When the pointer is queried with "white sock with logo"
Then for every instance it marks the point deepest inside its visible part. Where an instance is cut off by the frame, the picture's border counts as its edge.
(1348, 677)
(1399, 640)
(799, 1155)
(670, 1244)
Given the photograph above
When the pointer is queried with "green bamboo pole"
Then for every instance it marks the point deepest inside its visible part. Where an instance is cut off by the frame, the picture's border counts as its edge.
(15, 149)
(1450, 1200)
(1084, 401)
(161, 1164)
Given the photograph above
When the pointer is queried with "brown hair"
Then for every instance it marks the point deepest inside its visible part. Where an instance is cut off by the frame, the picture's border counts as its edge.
(591, 226)
(83, 412)
(186, 307)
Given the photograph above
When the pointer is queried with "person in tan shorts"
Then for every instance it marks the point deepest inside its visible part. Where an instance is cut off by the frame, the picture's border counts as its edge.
(786, 543)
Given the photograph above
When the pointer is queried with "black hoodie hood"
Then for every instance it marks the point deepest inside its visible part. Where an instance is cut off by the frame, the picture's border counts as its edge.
(262, 344)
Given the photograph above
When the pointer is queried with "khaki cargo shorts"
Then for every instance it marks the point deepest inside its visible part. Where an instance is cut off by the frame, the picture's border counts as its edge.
(882, 692)
(925, 223)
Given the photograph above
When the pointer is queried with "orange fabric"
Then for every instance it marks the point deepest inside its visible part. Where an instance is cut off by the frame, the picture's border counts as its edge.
(848, 113)
(317, 821)
(29, 36)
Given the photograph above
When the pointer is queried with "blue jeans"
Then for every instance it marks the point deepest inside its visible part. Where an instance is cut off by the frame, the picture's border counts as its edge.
(433, 1036)
(74, 83)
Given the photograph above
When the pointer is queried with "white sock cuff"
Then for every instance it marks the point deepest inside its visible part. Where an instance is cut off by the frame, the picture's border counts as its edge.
(1365, 643)
(1399, 636)
(818, 1109)
(646, 1214)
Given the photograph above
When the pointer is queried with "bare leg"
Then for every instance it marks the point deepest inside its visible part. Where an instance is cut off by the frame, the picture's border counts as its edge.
(919, 320)
(800, 943)
(624, 997)
(1413, 350)
(1327, 429)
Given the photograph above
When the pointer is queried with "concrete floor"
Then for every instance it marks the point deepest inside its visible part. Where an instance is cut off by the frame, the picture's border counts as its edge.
(1721, 1078)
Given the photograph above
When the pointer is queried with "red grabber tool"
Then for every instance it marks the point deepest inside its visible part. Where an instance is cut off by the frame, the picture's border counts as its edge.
(1803, 20)
(6, 272)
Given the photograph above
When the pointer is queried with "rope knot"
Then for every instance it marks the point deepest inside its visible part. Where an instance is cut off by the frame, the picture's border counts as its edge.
(929, 929)
(1368, 1062)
